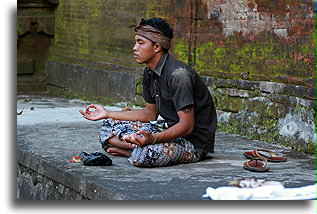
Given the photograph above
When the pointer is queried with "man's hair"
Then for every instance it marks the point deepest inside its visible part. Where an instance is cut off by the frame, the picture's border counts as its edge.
(161, 25)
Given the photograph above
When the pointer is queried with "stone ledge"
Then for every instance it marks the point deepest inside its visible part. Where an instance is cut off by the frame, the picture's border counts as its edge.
(39, 179)
(264, 86)
(54, 131)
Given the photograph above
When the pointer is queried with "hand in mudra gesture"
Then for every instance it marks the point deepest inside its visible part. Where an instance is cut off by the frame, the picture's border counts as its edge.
(140, 138)
(98, 113)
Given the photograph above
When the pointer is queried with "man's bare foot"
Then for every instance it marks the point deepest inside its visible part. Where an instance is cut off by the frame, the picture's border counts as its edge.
(118, 152)
(115, 141)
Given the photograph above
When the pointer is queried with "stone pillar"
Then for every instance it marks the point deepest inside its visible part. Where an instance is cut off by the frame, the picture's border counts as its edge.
(35, 32)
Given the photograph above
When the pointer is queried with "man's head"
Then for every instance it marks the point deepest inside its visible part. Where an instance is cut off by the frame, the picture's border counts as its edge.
(156, 30)
(152, 36)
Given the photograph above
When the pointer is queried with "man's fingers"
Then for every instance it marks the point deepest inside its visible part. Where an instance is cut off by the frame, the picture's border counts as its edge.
(127, 138)
(89, 107)
(140, 140)
(133, 139)
(92, 106)
(142, 132)
(87, 110)
(83, 113)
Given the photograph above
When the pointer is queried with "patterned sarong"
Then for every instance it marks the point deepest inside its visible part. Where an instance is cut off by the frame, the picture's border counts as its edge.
(164, 153)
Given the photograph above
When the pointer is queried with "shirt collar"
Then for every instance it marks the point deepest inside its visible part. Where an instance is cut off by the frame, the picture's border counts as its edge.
(159, 66)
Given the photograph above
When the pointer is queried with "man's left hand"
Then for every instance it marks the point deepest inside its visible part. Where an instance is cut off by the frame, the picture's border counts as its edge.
(140, 138)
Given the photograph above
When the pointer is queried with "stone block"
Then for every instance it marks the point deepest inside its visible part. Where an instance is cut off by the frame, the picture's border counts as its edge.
(294, 126)
(230, 104)
(26, 84)
(117, 86)
(214, 15)
(272, 87)
(236, 92)
(25, 65)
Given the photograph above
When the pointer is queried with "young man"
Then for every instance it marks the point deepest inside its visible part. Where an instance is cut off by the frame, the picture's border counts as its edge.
(172, 90)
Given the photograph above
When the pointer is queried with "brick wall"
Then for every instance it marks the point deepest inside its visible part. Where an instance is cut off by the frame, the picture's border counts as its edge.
(266, 40)
(257, 56)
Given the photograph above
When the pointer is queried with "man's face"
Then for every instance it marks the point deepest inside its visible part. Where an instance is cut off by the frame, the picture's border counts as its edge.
(143, 50)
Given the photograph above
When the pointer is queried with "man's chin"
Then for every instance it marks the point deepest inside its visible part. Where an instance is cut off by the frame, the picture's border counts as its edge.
(139, 61)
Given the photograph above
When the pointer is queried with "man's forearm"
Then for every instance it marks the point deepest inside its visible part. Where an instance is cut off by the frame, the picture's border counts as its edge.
(178, 130)
(141, 115)
(184, 127)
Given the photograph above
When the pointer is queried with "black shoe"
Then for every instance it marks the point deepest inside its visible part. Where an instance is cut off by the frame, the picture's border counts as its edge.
(97, 159)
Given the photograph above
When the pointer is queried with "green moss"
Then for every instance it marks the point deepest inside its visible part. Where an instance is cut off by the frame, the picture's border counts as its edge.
(139, 101)
(83, 95)
(234, 68)
(227, 103)
(311, 148)
(83, 45)
(139, 89)
(139, 79)
(89, 30)
(220, 52)
(268, 59)
(159, 8)
(20, 29)
(232, 129)
(305, 49)
(181, 50)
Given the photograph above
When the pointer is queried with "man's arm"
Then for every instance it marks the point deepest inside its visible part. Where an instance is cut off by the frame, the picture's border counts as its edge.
(184, 127)
(99, 113)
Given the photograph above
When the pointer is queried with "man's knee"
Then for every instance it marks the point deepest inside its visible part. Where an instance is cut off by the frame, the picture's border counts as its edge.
(148, 156)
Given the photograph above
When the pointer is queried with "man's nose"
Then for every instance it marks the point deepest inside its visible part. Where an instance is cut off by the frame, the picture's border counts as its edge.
(135, 47)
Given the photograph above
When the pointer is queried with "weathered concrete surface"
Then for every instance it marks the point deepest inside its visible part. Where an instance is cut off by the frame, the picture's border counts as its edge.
(54, 131)
(115, 86)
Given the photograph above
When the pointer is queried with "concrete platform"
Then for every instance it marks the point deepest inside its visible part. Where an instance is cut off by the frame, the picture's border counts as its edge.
(54, 131)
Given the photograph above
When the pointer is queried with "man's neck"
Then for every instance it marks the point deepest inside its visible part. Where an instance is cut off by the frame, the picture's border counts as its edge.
(152, 64)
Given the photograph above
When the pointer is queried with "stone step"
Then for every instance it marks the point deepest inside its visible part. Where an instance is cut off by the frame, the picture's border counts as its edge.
(30, 84)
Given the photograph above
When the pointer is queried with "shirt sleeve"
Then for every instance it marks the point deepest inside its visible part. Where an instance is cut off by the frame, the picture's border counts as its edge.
(146, 83)
(181, 85)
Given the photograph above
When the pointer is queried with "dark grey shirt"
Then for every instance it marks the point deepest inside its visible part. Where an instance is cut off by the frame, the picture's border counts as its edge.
(172, 86)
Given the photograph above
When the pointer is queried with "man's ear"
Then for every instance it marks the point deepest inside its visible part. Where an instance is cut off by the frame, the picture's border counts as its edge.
(157, 48)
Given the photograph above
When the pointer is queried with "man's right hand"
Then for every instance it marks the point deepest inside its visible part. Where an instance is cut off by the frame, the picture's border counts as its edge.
(98, 113)
(140, 138)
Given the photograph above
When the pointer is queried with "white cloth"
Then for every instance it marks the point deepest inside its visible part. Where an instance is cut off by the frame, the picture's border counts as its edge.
(268, 192)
